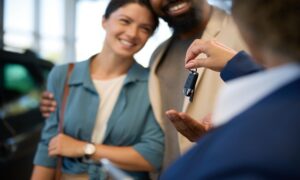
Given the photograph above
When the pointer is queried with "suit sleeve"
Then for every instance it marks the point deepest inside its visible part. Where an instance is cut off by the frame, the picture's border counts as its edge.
(240, 65)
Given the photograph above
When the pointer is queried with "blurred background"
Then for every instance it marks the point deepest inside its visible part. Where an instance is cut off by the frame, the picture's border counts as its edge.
(34, 36)
(65, 30)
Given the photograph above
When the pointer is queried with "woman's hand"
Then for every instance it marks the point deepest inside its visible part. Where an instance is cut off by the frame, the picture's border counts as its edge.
(217, 55)
(64, 145)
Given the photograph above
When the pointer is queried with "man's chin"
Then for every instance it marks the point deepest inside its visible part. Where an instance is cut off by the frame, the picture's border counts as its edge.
(182, 29)
(181, 24)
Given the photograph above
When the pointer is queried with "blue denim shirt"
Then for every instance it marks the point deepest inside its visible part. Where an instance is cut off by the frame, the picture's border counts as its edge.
(131, 123)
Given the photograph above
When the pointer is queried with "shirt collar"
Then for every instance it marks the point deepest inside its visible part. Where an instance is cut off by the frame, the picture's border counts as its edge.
(81, 74)
(239, 94)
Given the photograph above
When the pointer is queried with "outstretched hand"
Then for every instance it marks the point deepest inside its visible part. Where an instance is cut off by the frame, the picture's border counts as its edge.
(217, 55)
(189, 127)
(48, 104)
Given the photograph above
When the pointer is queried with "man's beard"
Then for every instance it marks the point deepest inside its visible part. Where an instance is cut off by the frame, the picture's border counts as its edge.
(184, 22)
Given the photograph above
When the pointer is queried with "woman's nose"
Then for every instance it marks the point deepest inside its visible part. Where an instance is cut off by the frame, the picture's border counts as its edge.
(132, 31)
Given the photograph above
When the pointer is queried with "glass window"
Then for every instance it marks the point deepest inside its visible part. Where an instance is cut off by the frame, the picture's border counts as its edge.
(19, 27)
(18, 15)
(52, 49)
(52, 30)
(18, 23)
(52, 18)
(223, 4)
(89, 32)
(18, 40)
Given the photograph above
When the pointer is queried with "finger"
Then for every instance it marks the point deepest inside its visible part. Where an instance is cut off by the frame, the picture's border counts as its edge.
(60, 141)
(194, 51)
(190, 123)
(47, 99)
(196, 63)
(54, 148)
(195, 128)
(48, 102)
(172, 115)
(51, 148)
(170, 111)
(52, 141)
(176, 120)
(47, 107)
(223, 46)
(47, 95)
(207, 122)
(52, 152)
(46, 115)
(189, 54)
(182, 128)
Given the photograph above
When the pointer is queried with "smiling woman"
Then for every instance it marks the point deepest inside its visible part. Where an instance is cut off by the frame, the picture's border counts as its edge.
(126, 30)
(108, 96)
(88, 32)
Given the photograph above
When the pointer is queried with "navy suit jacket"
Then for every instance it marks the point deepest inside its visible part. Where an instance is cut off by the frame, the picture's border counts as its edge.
(240, 65)
(262, 142)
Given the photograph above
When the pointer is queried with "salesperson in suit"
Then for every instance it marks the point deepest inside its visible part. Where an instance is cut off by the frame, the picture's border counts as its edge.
(257, 116)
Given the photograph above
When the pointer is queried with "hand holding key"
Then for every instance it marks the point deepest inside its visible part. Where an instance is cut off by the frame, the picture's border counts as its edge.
(217, 55)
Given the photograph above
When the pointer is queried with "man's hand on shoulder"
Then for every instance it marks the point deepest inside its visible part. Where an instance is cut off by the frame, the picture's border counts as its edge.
(48, 104)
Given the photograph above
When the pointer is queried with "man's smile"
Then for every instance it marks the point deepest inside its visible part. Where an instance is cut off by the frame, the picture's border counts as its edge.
(177, 8)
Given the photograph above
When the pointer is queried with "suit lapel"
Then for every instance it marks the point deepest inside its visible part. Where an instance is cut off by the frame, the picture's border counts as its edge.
(154, 86)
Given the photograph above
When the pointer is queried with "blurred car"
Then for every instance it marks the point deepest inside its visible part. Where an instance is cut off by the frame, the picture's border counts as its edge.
(23, 78)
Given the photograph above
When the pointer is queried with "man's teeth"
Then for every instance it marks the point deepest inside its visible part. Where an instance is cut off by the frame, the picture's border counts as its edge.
(127, 43)
(178, 6)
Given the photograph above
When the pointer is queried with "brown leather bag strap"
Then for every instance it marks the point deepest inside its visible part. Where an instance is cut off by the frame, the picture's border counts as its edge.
(64, 100)
(61, 118)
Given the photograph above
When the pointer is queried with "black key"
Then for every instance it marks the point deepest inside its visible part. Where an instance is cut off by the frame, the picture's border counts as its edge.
(190, 83)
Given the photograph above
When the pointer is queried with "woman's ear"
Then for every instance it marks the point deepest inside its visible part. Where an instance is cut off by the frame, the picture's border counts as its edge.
(104, 20)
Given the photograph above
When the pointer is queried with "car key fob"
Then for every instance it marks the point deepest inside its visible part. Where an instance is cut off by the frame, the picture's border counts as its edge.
(190, 83)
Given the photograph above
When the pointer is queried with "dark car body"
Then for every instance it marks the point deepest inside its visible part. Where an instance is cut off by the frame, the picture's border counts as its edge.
(23, 78)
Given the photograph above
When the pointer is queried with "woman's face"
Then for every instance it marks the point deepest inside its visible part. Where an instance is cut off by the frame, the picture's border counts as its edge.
(128, 28)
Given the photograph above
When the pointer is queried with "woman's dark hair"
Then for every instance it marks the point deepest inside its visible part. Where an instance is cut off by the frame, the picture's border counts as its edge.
(113, 5)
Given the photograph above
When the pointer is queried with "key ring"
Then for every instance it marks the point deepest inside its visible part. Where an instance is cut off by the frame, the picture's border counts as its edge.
(193, 70)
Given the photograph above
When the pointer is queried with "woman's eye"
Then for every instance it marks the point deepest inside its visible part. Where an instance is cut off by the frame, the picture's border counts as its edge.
(147, 30)
(124, 21)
